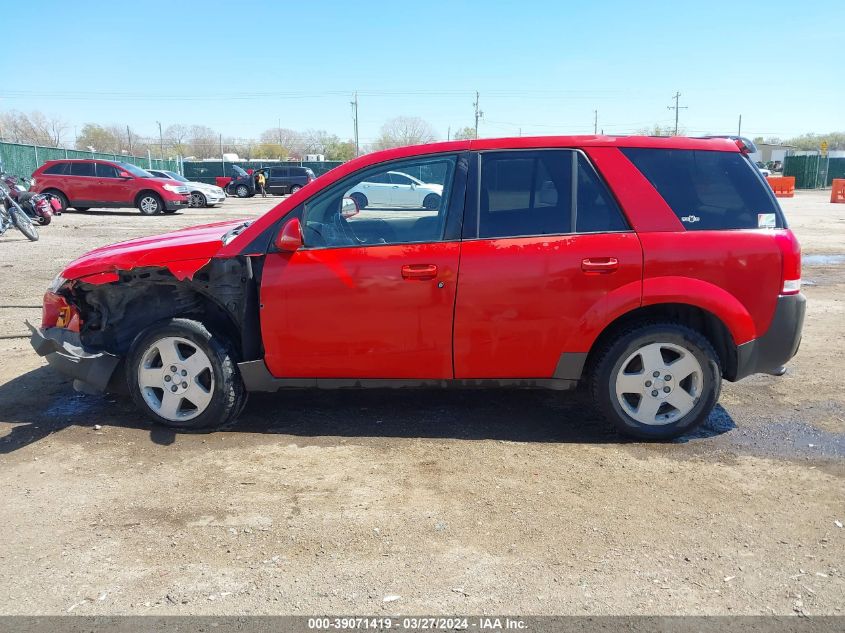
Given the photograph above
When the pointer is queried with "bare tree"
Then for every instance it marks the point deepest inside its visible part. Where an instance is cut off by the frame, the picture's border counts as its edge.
(176, 137)
(464, 133)
(34, 128)
(404, 130)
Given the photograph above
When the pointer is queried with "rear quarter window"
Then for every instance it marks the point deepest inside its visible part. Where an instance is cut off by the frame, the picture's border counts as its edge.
(57, 169)
(709, 190)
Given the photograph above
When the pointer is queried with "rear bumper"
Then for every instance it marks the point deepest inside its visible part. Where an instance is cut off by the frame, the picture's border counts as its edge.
(63, 351)
(780, 343)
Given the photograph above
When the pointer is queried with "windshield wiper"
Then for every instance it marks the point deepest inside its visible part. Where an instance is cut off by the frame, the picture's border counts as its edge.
(232, 233)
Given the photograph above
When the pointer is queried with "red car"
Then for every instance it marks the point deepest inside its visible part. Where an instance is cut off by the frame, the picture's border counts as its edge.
(648, 268)
(82, 184)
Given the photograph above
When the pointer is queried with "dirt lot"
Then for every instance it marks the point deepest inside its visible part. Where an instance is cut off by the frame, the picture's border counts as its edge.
(462, 502)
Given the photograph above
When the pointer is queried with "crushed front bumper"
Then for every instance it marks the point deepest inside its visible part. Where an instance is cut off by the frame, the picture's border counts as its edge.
(63, 351)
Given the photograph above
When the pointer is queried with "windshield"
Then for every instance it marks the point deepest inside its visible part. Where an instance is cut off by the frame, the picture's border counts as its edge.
(176, 176)
(135, 171)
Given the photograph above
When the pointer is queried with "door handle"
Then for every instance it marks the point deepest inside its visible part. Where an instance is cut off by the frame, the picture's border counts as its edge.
(396, 186)
(421, 272)
(599, 265)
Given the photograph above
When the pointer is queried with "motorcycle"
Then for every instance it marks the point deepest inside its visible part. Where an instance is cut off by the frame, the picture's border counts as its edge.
(11, 214)
(41, 207)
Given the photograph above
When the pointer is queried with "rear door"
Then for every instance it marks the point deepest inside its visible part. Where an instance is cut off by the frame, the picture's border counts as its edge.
(82, 182)
(545, 246)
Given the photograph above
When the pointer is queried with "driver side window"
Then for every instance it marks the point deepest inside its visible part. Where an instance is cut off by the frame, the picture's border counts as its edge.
(383, 212)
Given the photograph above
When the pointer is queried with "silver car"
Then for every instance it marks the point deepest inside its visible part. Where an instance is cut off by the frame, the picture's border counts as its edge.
(202, 193)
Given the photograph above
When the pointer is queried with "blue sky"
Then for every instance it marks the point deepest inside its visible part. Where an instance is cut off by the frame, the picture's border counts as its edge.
(543, 66)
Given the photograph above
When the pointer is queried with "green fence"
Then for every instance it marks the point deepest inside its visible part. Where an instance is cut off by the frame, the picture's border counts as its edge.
(22, 160)
(813, 171)
(208, 170)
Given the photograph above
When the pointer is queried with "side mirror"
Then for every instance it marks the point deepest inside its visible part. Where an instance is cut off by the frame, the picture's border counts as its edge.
(348, 208)
(413, 185)
(289, 238)
(125, 174)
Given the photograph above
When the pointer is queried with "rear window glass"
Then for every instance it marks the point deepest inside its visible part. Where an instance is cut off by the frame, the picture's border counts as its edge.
(58, 168)
(525, 193)
(82, 169)
(709, 190)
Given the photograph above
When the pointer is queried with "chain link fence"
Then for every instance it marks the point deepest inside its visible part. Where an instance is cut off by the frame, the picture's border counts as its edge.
(208, 170)
(21, 160)
(812, 170)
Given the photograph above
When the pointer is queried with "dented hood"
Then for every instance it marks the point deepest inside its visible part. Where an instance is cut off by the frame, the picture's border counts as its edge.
(183, 252)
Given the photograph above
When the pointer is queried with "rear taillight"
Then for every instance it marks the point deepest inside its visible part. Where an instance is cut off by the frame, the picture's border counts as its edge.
(790, 251)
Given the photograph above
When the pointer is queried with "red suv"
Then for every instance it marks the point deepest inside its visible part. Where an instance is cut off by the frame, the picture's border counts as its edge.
(83, 184)
(648, 268)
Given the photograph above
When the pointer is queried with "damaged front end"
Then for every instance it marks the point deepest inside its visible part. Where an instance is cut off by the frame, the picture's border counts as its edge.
(89, 324)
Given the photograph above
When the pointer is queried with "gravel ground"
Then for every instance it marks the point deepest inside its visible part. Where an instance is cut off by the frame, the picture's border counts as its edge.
(454, 502)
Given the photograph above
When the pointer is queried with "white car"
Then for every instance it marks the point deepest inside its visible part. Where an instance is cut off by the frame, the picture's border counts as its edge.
(202, 193)
(763, 169)
(395, 189)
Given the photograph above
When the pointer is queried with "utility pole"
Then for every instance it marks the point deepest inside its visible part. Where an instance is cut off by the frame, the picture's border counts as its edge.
(129, 138)
(595, 121)
(354, 104)
(279, 130)
(677, 108)
(478, 113)
(739, 127)
(449, 133)
(160, 140)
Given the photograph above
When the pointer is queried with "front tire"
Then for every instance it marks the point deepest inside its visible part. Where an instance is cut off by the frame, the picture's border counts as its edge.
(656, 381)
(184, 377)
(242, 191)
(24, 224)
(63, 201)
(360, 199)
(81, 209)
(432, 202)
(295, 188)
(150, 204)
(197, 200)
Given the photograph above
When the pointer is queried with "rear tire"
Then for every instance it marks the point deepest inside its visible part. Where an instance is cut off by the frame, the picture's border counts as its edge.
(150, 204)
(62, 199)
(295, 188)
(81, 209)
(656, 381)
(184, 377)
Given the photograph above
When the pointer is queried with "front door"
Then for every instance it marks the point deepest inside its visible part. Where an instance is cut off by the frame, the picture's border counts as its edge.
(109, 187)
(547, 253)
(368, 296)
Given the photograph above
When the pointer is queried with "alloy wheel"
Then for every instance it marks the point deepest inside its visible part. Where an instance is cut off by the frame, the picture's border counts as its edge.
(659, 383)
(149, 205)
(176, 378)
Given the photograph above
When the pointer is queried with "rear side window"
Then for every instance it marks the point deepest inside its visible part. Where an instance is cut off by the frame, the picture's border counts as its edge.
(597, 210)
(57, 169)
(709, 190)
(525, 193)
(82, 169)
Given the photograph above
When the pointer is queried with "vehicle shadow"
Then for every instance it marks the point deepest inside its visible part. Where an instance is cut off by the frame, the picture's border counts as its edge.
(121, 213)
(40, 403)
